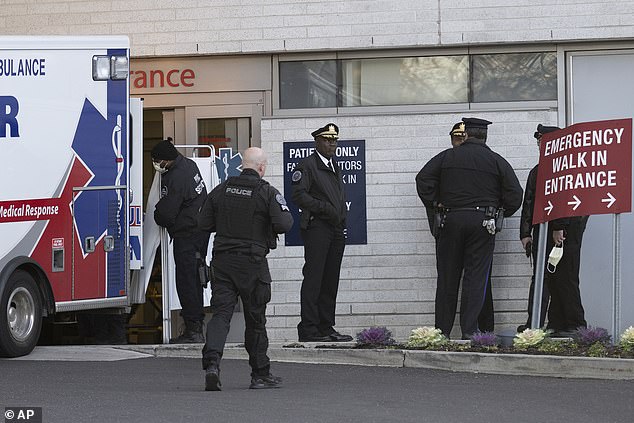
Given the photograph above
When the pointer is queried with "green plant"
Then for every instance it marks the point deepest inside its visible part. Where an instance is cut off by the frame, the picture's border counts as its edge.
(426, 337)
(550, 346)
(598, 349)
(529, 338)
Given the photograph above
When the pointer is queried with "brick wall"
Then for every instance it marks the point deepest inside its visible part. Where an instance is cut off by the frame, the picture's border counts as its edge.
(391, 281)
(189, 27)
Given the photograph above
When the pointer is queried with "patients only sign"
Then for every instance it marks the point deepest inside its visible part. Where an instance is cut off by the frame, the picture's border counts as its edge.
(350, 157)
(585, 169)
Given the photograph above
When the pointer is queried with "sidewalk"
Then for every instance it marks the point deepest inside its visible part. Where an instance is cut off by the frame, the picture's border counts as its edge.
(509, 364)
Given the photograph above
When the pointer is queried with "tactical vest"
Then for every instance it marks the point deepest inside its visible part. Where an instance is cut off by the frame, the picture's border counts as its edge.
(236, 211)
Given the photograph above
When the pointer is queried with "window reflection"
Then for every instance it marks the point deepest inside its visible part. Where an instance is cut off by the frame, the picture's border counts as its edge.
(419, 80)
(410, 80)
(514, 77)
(308, 84)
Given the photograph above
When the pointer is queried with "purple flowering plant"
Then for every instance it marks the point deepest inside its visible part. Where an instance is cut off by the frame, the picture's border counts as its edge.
(591, 335)
(486, 340)
(376, 335)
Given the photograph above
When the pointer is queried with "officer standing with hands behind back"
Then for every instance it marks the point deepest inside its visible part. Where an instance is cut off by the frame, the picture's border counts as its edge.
(318, 191)
(472, 187)
(247, 214)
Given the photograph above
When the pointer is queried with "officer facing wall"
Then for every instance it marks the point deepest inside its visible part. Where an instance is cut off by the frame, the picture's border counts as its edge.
(247, 214)
(471, 186)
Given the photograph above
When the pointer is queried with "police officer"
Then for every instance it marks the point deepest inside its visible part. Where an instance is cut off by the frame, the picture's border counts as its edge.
(530, 232)
(247, 214)
(565, 311)
(473, 185)
(183, 192)
(318, 191)
(486, 318)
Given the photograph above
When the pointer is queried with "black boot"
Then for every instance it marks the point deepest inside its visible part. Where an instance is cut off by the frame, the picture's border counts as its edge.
(212, 378)
(193, 334)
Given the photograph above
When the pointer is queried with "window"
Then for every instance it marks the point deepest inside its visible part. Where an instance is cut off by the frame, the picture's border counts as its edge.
(419, 80)
(310, 84)
(514, 77)
(409, 80)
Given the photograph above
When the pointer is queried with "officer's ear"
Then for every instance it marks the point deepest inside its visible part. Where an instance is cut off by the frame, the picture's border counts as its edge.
(262, 169)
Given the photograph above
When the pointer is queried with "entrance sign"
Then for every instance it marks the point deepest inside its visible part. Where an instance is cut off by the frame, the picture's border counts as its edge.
(585, 169)
(350, 157)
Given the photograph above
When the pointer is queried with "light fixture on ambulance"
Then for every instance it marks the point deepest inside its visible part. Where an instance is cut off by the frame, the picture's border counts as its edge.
(109, 67)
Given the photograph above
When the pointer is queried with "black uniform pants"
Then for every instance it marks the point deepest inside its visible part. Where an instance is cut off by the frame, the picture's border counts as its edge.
(247, 277)
(188, 287)
(323, 252)
(486, 318)
(465, 248)
(566, 311)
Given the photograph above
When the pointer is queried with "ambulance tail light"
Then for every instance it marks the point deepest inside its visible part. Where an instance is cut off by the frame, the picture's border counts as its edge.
(109, 67)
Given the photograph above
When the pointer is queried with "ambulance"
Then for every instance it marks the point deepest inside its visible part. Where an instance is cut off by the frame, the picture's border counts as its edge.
(70, 181)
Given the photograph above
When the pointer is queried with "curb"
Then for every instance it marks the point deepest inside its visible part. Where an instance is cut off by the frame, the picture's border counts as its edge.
(490, 363)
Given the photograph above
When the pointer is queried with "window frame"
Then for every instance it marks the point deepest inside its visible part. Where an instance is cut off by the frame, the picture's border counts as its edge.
(418, 108)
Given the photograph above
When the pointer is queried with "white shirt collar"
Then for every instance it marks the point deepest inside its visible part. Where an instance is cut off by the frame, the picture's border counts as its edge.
(323, 159)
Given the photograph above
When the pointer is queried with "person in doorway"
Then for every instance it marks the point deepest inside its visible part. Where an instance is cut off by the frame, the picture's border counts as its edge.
(561, 298)
(471, 187)
(246, 213)
(318, 191)
(183, 192)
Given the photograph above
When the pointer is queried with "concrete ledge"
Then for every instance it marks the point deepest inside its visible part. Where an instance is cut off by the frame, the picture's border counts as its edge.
(359, 357)
(523, 364)
(510, 364)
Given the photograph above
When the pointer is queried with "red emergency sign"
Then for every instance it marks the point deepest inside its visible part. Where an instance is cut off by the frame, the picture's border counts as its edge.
(585, 169)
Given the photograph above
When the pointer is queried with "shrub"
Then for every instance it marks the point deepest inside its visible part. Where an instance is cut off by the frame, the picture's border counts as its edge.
(529, 338)
(376, 335)
(591, 335)
(426, 337)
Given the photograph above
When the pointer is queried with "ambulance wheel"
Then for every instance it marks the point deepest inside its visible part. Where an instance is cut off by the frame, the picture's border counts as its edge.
(20, 315)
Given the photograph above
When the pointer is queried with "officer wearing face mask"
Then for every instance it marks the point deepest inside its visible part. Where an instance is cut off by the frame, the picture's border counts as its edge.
(561, 298)
(183, 192)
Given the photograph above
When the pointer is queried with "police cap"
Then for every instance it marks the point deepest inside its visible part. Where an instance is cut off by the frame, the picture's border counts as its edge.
(458, 130)
(164, 150)
(541, 130)
(475, 123)
(329, 131)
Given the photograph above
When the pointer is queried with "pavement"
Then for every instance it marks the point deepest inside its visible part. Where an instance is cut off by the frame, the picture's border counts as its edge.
(488, 363)
(163, 389)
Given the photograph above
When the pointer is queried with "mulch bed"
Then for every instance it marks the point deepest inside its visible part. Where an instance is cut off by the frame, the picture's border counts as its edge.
(562, 348)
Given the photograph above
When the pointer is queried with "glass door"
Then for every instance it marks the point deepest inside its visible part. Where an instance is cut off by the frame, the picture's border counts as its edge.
(234, 127)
